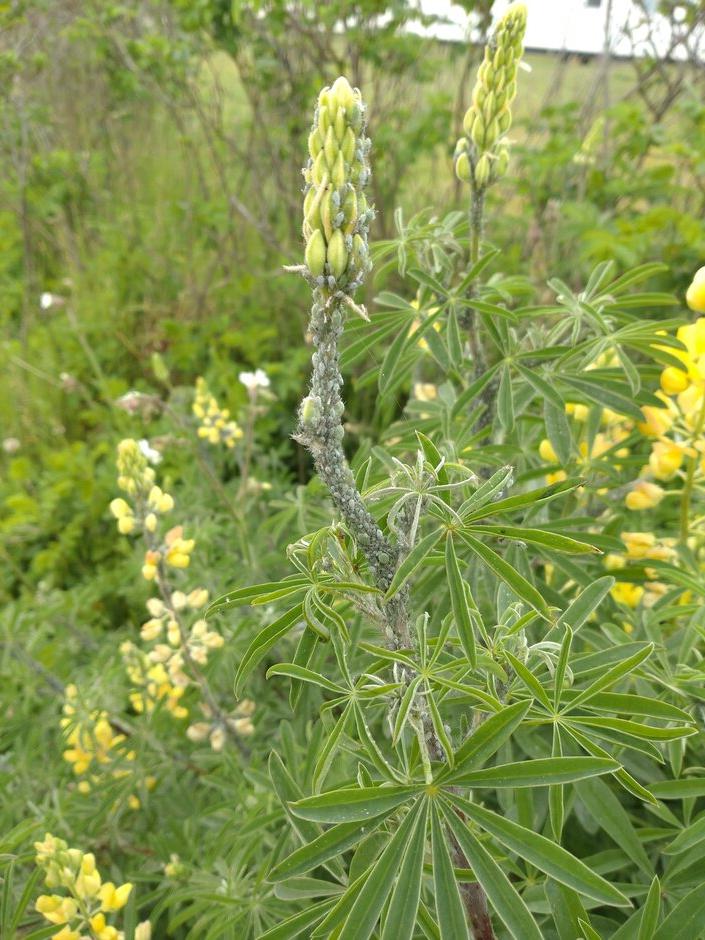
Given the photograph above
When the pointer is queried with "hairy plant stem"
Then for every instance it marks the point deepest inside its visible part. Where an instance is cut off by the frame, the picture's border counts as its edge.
(321, 432)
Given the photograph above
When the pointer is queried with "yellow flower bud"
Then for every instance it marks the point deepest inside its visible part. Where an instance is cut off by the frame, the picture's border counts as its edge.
(674, 380)
(126, 524)
(150, 522)
(546, 451)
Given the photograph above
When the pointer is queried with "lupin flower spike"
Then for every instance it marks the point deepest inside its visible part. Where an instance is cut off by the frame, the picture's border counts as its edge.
(336, 213)
(481, 155)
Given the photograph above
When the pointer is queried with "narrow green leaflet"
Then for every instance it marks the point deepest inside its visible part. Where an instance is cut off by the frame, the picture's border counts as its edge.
(679, 789)
(352, 804)
(304, 675)
(295, 925)
(650, 912)
(517, 582)
(611, 676)
(333, 842)
(412, 561)
(461, 612)
(487, 739)
(686, 919)
(264, 641)
(543, 537)
(401, 914)
(542, 772)
(585, 603)
(365, 912)
(609, 813)
(690, 836)
(501, 893)
(244, 596)
(450, 912)
(548, 857)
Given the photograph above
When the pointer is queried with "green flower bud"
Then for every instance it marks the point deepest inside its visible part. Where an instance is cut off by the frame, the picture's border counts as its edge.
(482, 171)
(342, 94)
(462, 168)
(314, 143)
(315, 254)
(502, 162)
(338, 171)
(320, 169)
(347, 145)
(331, 147)
(327, 215)
(340, 124)
(337, 255)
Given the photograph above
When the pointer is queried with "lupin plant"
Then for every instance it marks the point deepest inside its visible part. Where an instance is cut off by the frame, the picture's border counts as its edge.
(473, 704)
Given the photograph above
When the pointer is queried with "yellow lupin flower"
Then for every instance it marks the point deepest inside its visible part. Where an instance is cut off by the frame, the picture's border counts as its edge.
(644, 495)
(624, 592)
(695, 295)
(112, 898)
(665, 459)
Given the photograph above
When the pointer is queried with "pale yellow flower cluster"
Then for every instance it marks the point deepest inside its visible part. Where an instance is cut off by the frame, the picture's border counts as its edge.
(95, 748)
(81, 911)
(215, 424)
(677, 428)
(640, 547)
(214, 729)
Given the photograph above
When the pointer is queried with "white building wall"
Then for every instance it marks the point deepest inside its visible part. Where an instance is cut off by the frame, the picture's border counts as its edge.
(573, 26)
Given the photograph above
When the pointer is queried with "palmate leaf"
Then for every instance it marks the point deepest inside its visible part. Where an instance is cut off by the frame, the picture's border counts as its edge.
(546, 855)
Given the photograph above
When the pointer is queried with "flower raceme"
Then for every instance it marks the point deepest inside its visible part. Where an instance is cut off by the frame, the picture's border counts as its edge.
(215, 423)
(481, 155)
(336, 213)
(80, 911)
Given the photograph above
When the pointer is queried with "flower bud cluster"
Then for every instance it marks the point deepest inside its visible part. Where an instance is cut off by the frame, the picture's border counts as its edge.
(214, 728)
(336, 213)
(215, 425)
(481, 154)
(80, 911)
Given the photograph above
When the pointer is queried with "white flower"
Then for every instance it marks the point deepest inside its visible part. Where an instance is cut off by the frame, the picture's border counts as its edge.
(152, 455)
(254, 380)
(46, 300)
(11, 445)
